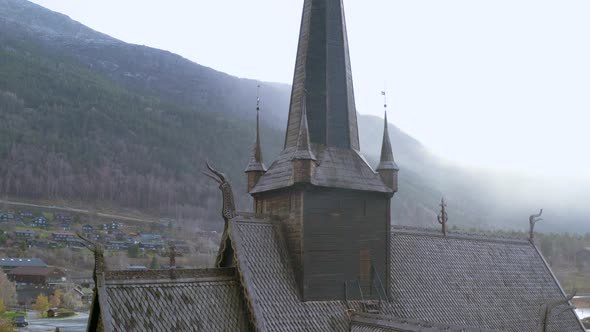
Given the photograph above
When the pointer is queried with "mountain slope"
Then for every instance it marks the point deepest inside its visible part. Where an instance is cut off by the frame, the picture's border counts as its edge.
(89, 118)
(141, 69)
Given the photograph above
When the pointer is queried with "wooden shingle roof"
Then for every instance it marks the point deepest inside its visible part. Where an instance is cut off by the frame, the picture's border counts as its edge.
(336, 168)
(474, 280)
(267, 273)
(461, 282)
(363, 322)
(194, 300)
(469, 281)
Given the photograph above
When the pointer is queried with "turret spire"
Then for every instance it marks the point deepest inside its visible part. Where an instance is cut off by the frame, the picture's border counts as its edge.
(256, 168)
(387, 168)
(323, 70)
(256, 163)
(303, 151)
(387, 161)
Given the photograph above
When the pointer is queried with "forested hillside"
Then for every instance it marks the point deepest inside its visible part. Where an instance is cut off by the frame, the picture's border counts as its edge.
(69, 133)
(89, 119)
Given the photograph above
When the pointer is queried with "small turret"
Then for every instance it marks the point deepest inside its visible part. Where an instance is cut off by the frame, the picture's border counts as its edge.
(256, 168)
(387, 168)
(303, 159)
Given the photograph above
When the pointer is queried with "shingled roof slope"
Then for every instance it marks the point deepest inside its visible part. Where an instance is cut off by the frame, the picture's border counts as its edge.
(364, 322)
(336, 168)
(458, 280)
(267, 275)
(195, 300)
(473, 280)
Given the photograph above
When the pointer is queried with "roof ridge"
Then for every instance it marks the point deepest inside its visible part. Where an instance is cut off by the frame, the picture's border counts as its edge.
(251, 217)
(164, 274)
(457, 234)
(380, 320)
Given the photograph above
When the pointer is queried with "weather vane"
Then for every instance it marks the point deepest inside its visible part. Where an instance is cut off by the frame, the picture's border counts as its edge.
(384, 94)
(258, 98)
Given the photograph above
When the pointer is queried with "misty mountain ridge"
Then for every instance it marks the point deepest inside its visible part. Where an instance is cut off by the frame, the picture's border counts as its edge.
(152, 118)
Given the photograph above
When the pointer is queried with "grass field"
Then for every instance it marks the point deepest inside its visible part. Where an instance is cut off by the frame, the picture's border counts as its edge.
(575, 281)
(12, 314)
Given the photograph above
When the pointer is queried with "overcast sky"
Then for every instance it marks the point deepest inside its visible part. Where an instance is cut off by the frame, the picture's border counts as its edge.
(498, 84)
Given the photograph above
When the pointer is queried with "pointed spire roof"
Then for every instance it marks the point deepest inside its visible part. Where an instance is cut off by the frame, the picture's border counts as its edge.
(387, 161)
(323, 69)
(256, 164)
(303, 151)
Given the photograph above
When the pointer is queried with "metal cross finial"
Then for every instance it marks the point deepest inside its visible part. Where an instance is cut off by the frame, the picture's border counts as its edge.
(258, 98)
(443, 217)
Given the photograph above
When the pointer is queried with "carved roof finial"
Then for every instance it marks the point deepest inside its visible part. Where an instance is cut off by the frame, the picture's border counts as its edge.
(533, 219)
(303, 151)
(256, 163)
(172, 256)
(99, 261)
(548, 307)
(443, 217)
(387, 162)
(229, 206)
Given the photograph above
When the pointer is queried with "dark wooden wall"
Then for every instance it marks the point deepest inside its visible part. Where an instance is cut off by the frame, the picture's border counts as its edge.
(334, 236)
(288, 206)
(345, 237)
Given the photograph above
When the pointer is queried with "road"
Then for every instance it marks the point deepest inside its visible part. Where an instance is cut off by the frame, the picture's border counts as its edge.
(70, 324)
(583, 312)
(74, 210)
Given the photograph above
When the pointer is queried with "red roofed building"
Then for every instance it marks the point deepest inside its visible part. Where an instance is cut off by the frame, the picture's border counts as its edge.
(37, 275)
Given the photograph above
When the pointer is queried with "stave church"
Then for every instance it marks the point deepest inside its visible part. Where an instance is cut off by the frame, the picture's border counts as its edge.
(319, 251)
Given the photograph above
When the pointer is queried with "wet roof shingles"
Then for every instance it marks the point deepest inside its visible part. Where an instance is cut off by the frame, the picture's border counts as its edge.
(463, 280)
(336, 168)
(190, 303)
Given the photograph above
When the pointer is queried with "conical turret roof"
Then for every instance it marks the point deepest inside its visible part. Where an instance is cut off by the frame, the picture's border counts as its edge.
(387, 161)
(256, 163)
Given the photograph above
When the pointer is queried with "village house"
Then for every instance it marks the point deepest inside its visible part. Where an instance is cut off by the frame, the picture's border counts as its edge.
(150, 237)
(62, 236)
(65, 227)
(40, 276)
(63, 217)
(319, 251)
(40, 222)
(25, 234)
(8, 264)
(84, 295)
(117, 245)
(26, 214)
(9, 216)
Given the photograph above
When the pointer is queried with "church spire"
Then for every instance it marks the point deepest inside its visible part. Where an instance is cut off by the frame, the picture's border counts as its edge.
(323, 70)
(387, 167)
(387, 161)
(256, 168)
(256, 163)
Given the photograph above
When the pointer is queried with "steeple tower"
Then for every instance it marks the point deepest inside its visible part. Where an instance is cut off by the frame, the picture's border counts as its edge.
(323, 75)
(334, 209)
(256, 168)
(387, 167)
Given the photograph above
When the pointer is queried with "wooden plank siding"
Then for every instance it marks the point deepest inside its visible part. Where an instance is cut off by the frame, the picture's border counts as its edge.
(345, 239)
